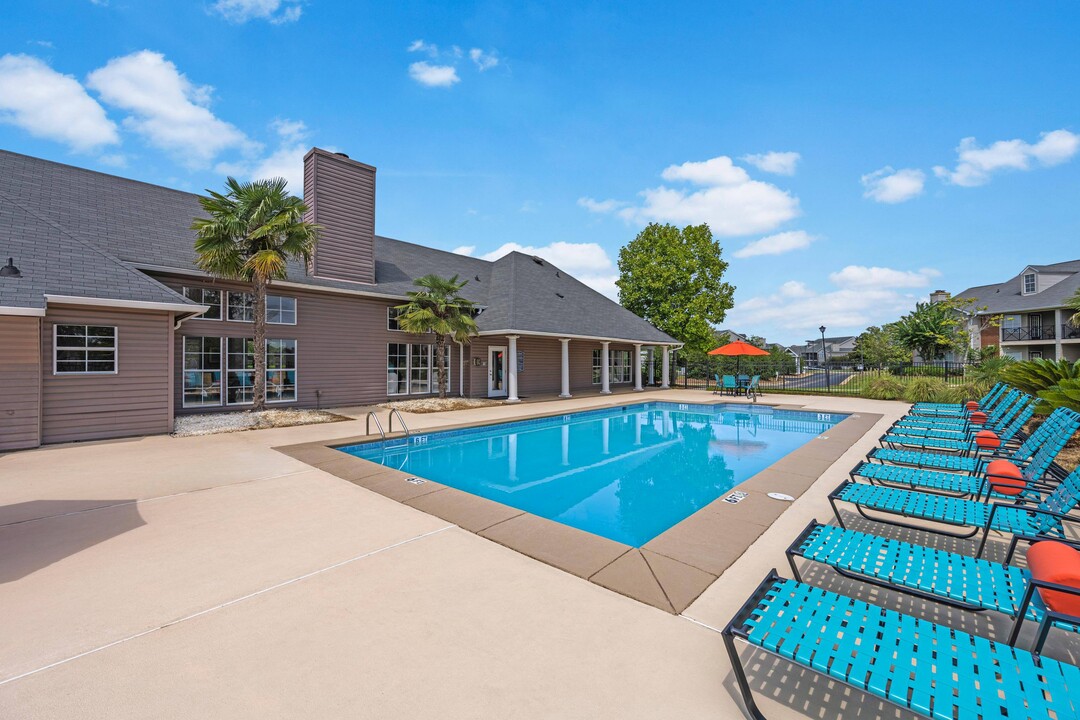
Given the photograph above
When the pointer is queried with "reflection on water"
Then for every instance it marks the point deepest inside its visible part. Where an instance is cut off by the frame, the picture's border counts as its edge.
(626, 473)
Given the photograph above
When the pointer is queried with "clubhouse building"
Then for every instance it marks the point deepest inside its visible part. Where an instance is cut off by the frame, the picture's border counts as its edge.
(108, 329)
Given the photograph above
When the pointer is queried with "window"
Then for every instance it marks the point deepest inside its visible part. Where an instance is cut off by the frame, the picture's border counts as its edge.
(280, 310)
(1029, 283)
(620, 368)
(241, 307)
(206, 296)
(280, 370)
(202, 371)
(392, 314)
(84, 349)
(410, 368)
(397, 369)
(420, 369)
(240, 371)
(1035, 355)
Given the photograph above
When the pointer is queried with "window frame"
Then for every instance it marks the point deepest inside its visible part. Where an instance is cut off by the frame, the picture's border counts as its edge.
(613, 377)
(1034, 284)
(184, 371)
(432, 380)
(295, 310)
(115, 350)
(295, 369)
(229, 306)
(220, 303)
(389, 318)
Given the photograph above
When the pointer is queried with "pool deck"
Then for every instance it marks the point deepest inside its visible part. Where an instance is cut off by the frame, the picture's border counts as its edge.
(215, 577)
(670, 571)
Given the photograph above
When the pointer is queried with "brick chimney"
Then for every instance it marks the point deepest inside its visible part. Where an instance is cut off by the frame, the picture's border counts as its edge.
(340, 195)
(939, 296)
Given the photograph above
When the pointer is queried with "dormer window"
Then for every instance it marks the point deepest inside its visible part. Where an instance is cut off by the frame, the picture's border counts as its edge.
(1029, 284)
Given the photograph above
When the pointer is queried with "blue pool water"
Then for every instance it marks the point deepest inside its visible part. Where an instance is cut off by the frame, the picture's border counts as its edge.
(626, 473)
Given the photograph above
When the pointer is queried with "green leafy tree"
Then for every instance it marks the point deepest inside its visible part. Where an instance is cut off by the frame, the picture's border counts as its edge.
(757, 341)
(1035, 376)
(437, 307)
(1065, 394)
(931, 329)
(252, 230)
(675, 279)
(877, 346)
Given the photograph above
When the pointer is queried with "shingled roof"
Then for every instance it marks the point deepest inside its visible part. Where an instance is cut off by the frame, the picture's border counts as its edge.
(79, 232)
(1007, 297)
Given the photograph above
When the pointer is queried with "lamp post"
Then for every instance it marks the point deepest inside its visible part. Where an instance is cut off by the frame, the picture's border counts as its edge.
(825, 360)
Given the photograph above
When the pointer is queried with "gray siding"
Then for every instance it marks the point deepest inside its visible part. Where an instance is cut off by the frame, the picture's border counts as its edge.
(340, 194)
(134, 401)
(20, 379)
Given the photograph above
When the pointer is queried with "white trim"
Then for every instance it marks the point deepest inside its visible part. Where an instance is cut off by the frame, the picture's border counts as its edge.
(115, 349)
(24, 311)
(296, 309)
(131, 304)
(295, 370)
(184, 370)
(490, 370)
(527, 333)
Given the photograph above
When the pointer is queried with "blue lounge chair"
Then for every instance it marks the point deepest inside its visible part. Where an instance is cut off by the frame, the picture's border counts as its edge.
(1057, 428)
(987, 402)
(1040, 511)
(932, 670)
(1006, 427)
(950, 578)
(1000, 416)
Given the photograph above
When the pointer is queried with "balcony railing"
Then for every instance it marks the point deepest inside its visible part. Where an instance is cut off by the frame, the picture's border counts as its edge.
(1070, 332)
(1024, 334)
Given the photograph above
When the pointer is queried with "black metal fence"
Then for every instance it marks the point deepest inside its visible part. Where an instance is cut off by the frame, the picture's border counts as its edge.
(837, 377)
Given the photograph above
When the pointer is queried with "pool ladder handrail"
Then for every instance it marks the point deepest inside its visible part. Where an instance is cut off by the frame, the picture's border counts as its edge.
(390, 425)
(367, 424)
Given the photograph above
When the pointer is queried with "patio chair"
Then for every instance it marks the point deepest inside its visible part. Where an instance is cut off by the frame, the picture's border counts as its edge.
(1001, 415)
(932, 670)
(1058, 428)
(730, 384)
(986, 402)
(716, 388)
(964, 440)
(754, 387)
(1038, 511)
(949, 578)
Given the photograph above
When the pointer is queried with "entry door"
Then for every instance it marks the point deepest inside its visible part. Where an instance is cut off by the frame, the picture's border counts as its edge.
(1035, 325)
(496, 371)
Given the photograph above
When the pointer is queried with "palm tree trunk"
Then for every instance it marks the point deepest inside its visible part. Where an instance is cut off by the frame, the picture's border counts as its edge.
(259, 309)
(440, 364)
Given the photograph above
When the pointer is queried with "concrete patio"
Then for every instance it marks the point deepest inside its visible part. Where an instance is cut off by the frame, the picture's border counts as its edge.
(214, 577)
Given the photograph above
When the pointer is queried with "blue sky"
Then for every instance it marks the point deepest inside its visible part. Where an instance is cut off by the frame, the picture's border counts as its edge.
(826, 144)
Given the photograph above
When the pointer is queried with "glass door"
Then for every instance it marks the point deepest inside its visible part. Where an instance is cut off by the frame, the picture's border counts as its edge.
(496, 372)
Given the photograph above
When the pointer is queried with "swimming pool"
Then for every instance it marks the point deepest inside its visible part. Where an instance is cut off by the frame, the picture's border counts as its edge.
(626, 473)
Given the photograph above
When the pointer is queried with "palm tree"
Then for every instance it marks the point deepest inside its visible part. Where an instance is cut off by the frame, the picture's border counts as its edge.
(1073, 303)
(437, 307)
(252, 231)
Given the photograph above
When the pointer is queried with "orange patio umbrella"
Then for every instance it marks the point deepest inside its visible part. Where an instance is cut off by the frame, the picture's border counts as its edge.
(738, 349)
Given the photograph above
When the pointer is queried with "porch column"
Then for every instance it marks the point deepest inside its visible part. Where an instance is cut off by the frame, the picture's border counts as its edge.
(1059, 320)
(565, 368)
(652, 365)
(605, 370)
(665, 373)
(511, 369)
(637, 367)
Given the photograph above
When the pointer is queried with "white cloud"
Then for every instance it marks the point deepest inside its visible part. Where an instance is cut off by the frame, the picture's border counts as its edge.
(777, 244)
(466, 250)
(862, 297)
(286, 161)
(780, 163)
(729, 201)
(433, 75)
(893, 186)
(166, 108)
(483, 60)
(48, 104)
(274, 11)
(421, 46)
(975, 165)
(600, 206)
(860, 276)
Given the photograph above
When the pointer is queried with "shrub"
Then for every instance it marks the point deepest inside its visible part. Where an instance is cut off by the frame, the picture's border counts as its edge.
(1035, 376)
(972, 389)
(884, 387)
(1065, 394)
(990, 370)
(925, 389)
